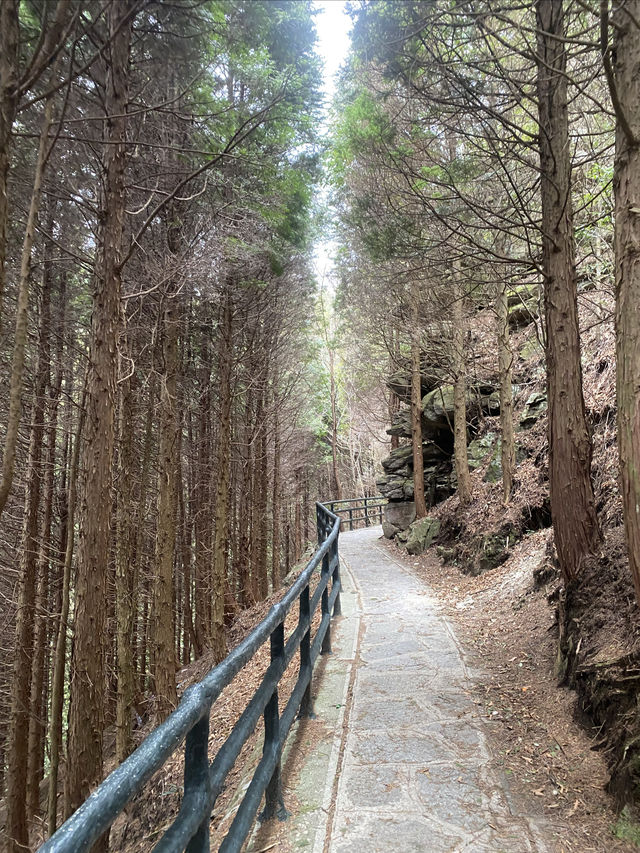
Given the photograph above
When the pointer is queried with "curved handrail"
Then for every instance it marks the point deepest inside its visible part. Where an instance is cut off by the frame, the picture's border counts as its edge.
(354, 511)
(190, 723)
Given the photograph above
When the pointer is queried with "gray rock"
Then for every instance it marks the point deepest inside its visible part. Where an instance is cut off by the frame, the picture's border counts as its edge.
(494, 468)
(437, 406)
(523, 314)
(522, 293)
(534, 408)
(491, 404)
(480, 448)
(398, 459)
(389, 530)
(421, 534)
(400, 514)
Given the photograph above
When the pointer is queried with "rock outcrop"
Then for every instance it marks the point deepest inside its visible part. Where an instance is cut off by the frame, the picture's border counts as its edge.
(483, 400)
(396, 484)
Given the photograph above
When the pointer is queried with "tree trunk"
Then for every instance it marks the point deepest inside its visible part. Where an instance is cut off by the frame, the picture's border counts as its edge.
(627, 255)
(124, 570)
(38, 714)
(60, 656)
(139, 661)
(186, 559)
(261, 509)
(86, 723)
(219, 574)
(572, 502)
(416, 406)
(336, 485)
(22, 309)
(164, 660)
(505, 362)
(202, 520)
(276, 497)
(460, 396)
(17, 829)
(9, 72)
(245, 590)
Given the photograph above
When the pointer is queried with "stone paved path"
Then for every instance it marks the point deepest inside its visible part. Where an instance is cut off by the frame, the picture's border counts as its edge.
(414, 769)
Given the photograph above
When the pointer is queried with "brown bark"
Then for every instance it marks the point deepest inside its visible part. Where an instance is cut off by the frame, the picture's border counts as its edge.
(202, 520)
(86, 723)
(38, 714)
(139, 623)
(416, 406)
(221, 517)
(164, 660)
(125, 544)
(9, 81)
(20, 339)
(60, 655)
(188, 641)
(626, 82)
(16, 828)
(261, 498)
(460, 396)
(572, 502)
(505, 362)
(336, 485)
(245, 588)
(276, 497)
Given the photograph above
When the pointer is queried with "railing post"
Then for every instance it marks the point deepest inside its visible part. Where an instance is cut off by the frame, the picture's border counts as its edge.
(350, 518)
(306, 706)
(322, 535)
(337, 607)
(273, 802)
(196, 778)
(366, 512)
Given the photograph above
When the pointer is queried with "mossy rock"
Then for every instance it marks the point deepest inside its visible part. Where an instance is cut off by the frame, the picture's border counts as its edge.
(398, 459)
(522, 314)
(494, 550)
(534, 408)
(400, 513)
(480, 448)
(493, 474)
(531, 348)
(522, 293)
(402, 536)
(437, 406)
(421, 534)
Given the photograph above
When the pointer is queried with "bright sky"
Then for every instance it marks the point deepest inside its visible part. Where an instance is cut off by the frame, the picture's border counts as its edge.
(332, 25)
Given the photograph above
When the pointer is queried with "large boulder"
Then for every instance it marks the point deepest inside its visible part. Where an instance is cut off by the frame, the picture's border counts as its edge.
(480, 448)
(522, 314)
(400, 381)
(389, 530)
(519, 293)
(401, 424)
(421, 534)
(534, 408)
(398, 460)
(400, 514)
(391, 487)
(437, 406)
